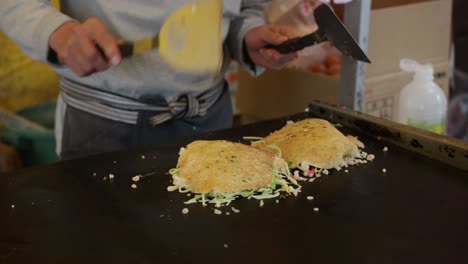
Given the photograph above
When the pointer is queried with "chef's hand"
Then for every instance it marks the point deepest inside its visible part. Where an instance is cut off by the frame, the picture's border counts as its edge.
(259, 37)
(77, 46)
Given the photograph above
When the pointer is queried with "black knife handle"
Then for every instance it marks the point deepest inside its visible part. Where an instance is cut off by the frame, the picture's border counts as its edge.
(288, 46)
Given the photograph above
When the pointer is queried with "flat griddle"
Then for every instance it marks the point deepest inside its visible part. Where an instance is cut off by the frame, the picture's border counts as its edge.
(417, 212)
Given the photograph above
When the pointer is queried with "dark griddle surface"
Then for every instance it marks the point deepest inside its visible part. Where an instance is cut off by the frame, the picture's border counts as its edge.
(417, 212)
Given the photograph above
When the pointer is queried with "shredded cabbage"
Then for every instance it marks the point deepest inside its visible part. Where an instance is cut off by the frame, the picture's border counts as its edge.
(282, 182)
(275, 148)
(253, 138)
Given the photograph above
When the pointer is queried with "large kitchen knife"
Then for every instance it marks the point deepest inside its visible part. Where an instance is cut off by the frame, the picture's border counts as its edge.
(330, 29)
(189, 40)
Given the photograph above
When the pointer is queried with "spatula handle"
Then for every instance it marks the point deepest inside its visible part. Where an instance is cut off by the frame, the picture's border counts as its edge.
(288, 46)
(126, 49)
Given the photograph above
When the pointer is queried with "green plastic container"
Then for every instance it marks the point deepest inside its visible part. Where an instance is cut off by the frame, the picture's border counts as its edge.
(34, 147)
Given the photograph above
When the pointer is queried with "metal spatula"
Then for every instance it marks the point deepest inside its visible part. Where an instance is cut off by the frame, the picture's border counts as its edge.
(190, 39)
(330, 29)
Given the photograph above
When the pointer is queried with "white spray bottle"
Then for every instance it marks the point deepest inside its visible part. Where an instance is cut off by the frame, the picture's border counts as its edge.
(423, 104)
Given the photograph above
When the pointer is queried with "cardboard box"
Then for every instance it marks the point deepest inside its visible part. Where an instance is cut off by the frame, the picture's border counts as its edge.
(426, 39)
(288, 92)
(280, 93)
(378, 4)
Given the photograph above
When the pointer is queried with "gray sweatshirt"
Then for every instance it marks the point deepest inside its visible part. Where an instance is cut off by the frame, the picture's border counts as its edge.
(121, 91)
(31, 22)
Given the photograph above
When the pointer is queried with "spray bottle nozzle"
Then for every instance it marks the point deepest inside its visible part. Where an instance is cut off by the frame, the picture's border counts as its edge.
(422, 71)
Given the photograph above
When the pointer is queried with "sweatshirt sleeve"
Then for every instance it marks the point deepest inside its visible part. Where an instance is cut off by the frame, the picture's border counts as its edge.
(30, 23)
(251, 15)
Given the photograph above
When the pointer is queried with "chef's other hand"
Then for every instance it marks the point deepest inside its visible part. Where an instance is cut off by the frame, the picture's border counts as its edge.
(86, 48)
(259, 37)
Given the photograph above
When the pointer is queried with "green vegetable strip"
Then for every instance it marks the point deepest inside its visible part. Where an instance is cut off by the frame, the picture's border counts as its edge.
(281, 182)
